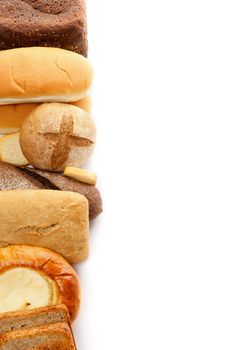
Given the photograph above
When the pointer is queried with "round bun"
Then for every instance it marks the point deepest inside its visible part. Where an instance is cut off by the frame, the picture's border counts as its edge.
(48, 264)
(43, 74)
(13, 116)
(56, 135)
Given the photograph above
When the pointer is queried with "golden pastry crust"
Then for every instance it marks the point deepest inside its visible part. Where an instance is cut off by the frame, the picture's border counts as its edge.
(51, 265)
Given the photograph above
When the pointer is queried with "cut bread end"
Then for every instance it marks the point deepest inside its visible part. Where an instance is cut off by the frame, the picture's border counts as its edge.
(10, 150)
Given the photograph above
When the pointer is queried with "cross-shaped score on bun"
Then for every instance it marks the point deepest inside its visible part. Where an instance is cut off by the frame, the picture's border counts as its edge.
(56, 135)
(32, 277)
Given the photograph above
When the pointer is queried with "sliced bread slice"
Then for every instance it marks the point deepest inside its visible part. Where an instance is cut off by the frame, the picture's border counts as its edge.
(10, 150)
(57, 336)
(11, 321)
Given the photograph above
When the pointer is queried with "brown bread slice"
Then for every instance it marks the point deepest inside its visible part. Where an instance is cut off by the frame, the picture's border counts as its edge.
(57, 336)
(11, 321)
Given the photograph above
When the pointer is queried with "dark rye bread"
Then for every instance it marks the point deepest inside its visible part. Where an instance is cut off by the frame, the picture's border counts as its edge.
(16, 320)
(57, 336)
(53, 23)
(13, 178)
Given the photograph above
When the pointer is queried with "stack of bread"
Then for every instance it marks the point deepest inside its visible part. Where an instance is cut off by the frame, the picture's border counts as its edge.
(47, 198)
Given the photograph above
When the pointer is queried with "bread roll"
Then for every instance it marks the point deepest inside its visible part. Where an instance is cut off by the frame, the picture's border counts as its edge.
(32, 277)
(56, 135)
(43, 74)
(13, 116)
(57, 220)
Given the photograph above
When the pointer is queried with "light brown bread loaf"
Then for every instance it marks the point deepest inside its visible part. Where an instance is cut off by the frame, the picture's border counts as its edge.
(57, 220)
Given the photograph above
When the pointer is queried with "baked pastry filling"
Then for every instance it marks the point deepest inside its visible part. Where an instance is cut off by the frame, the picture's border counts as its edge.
(23, 288)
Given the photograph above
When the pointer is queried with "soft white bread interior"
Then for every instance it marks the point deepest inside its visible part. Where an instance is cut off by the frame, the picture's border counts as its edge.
(12, 116)
(10, 150)
(43, 74)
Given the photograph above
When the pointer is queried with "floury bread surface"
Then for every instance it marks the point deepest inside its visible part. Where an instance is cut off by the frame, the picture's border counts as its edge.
(57, 220)
(56, 135)
(43, 74)
(53, 23)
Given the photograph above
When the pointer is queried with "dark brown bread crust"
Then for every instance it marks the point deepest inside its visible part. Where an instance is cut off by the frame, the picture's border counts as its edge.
(53, 23)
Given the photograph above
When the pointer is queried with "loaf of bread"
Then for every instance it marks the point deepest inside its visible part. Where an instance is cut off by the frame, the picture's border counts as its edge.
(13, 116)
(16, 320)
(57, 220)
(56, 336)
(59, 23)
(43, 74)
(33, 277)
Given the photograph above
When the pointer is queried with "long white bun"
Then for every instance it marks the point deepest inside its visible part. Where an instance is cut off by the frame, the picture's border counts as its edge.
(43, 74)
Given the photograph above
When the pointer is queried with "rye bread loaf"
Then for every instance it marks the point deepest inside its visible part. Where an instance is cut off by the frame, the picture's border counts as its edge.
(12, 178)
(53, 23)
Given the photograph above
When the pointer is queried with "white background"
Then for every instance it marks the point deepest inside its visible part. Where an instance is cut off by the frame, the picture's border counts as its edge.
(160, 271)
